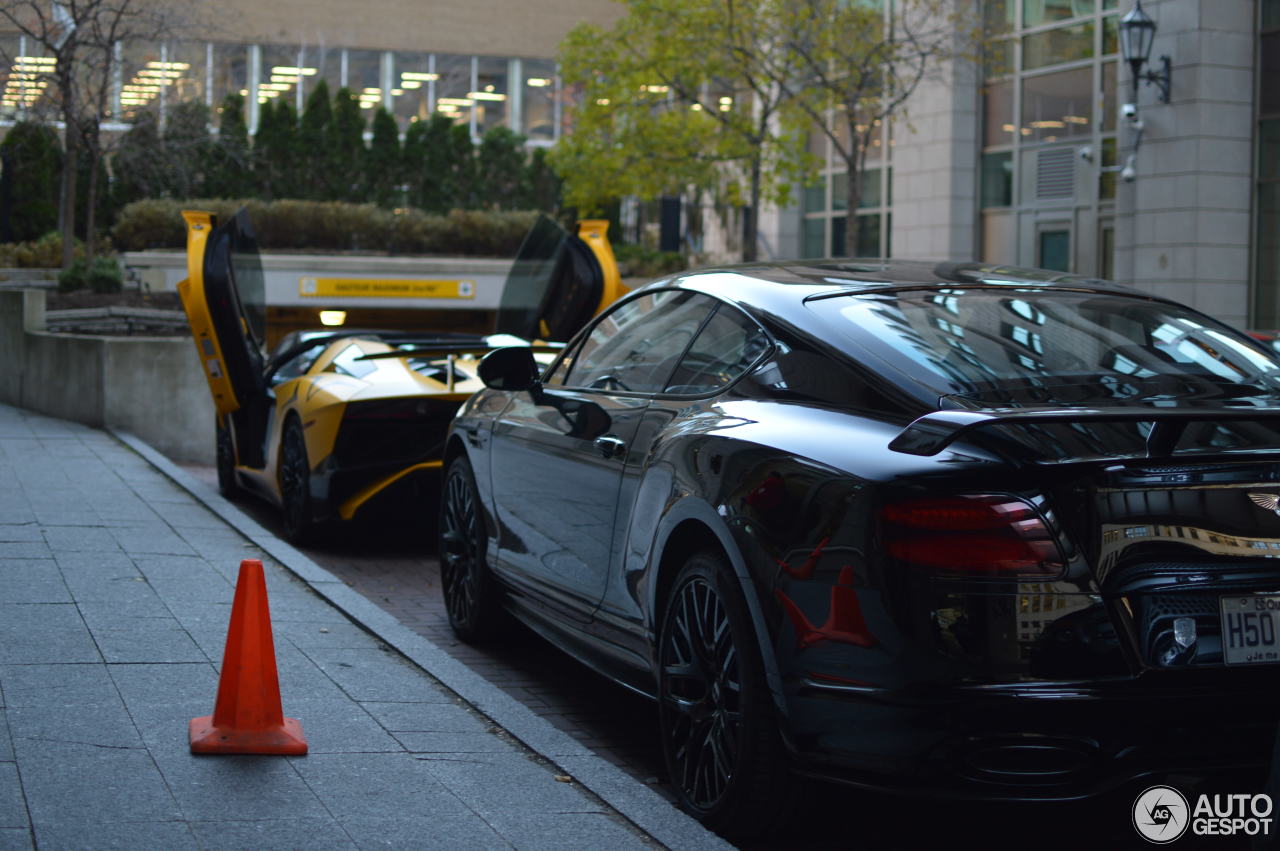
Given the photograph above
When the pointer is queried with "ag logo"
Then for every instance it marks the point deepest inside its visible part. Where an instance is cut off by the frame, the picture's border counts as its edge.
(1269, 501)
(1160, 814)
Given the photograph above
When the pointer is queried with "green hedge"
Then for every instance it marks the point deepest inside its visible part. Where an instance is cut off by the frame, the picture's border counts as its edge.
(332, 226)
(43, 253)
(637, 261)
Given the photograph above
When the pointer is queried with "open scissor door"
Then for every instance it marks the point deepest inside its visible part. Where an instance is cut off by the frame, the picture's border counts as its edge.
(558, 281)
(224, 300)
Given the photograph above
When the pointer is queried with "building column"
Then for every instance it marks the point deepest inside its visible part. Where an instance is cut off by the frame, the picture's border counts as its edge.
(1183, 225)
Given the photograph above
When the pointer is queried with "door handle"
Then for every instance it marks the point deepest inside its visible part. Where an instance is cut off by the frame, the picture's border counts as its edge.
(610, 446)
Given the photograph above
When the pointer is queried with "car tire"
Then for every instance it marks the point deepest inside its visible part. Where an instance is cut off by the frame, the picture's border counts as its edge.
(719, 727)
(295, 486)
(225, 459)
(472, 596)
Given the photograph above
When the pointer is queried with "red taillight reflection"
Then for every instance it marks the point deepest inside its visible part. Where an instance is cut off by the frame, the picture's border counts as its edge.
(981, 536)
(957, 513)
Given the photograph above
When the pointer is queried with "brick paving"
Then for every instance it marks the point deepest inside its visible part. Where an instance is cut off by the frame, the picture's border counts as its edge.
(391, 565)
(116, 590)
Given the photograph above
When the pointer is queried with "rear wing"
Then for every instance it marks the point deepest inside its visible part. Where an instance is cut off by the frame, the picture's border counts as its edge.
(934, 432)
(437, 349)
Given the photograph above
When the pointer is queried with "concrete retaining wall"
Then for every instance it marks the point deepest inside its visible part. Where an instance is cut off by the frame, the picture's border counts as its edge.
(150, 386)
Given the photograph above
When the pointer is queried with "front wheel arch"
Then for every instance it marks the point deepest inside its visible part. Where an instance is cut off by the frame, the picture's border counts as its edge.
(688, 527)
(720, 731)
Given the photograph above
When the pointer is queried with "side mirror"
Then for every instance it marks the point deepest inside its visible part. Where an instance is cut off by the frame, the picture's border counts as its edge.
(510, 368)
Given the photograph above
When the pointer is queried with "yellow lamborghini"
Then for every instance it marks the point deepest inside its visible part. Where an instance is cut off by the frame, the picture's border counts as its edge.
(333, 419)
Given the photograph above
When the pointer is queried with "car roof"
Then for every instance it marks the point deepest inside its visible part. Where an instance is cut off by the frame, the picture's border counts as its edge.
(781, 289)
(856, 275)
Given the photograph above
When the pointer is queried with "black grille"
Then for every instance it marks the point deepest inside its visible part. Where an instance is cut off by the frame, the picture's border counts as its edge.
(392, 432)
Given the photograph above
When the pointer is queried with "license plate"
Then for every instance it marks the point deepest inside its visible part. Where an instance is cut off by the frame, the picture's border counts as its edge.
(1250, 629)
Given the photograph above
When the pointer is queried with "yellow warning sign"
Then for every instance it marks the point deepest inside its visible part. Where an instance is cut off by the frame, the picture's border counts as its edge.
(385, 288)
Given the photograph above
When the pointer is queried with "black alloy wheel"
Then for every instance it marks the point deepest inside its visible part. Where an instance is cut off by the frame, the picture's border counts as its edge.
(471, 595)
(295, 485)
(225, 455)
(719, 728)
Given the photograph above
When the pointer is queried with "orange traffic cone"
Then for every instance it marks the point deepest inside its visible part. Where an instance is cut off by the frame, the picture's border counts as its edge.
(247, 717)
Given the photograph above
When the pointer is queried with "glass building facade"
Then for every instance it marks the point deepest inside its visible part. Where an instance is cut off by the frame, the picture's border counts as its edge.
(824, 206)
(1048, 92)
(480, 91)
(1267, 170)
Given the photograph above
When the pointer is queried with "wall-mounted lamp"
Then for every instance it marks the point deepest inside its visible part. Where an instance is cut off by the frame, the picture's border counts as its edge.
(1137, 32)
(332, 318)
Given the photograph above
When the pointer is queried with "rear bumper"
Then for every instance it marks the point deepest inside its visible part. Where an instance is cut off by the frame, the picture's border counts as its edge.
(1037, 742)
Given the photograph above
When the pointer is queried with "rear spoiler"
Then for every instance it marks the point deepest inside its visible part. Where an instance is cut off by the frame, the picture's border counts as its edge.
(934, 432)
(455, 349)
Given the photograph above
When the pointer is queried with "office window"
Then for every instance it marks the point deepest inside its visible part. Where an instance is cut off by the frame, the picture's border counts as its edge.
(997, 109)
(144, 78)
(539, 100)
(1031, 101)
(412, 81)
(1054, 250)
(997, 179)
(868, 236)
(230, 72)
(813, 238)
(320, 63)
(452, 87)
(1053, 47)
(1269, 74)
(997, 58)
(1037, 12)
(1109, 171)
(1058, 106)
(997, 15)
(364, 77)
(280, 76)
(814, 198)
(1266, 299)
(189, 64)
(491, 94)
(26, 79)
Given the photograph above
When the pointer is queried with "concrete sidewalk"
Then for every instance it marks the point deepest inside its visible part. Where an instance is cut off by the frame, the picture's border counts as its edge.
(115, 595)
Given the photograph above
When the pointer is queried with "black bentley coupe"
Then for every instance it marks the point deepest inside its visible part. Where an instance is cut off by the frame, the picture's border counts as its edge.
(955, 529)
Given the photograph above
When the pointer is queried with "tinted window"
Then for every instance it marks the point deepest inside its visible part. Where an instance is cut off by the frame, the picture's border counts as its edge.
(636, 345)
(725, 347)
(297, 365)
(1037, 347)
(553, 287)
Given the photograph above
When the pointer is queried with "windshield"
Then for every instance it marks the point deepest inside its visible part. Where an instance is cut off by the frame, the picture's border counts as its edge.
(1038, 347)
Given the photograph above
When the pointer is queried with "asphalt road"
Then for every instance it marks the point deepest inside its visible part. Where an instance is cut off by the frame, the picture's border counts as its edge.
(394, 565)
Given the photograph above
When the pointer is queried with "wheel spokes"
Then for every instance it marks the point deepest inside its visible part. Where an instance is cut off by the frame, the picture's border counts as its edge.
(700, 693)
(460, 552)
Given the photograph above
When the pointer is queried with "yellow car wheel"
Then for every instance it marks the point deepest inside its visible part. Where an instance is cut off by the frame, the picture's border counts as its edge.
(295, 486)
(225, 455)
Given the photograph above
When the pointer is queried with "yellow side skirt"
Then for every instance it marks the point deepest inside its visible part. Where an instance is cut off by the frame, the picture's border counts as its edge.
(349, 508)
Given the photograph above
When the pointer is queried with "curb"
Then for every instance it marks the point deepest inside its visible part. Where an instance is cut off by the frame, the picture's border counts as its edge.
(636, 802)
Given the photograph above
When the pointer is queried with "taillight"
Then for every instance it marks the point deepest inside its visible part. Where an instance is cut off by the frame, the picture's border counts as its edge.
(996, 537)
